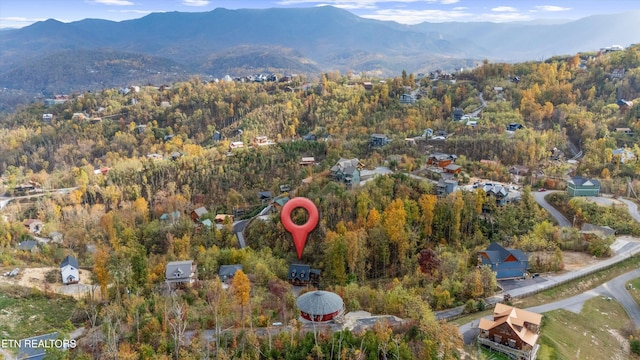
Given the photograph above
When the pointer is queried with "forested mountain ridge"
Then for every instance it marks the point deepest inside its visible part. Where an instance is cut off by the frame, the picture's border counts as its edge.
(390, 246)
(291, 39)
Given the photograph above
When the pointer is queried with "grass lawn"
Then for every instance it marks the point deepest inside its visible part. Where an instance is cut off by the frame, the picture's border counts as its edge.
(588, 335)
(26, 312)
(635, 290)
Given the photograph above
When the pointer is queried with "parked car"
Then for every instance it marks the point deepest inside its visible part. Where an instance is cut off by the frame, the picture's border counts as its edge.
(542, 190)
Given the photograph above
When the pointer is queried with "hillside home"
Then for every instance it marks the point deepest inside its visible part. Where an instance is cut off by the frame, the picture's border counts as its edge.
(446, 187)
(622, 156)
(70, 270)
(514, 127)
(407, 99)
(181, 272)
(236, 145)
(307, 160)
(377, 140)
(171, 218)
(34, 226)
(227, 272)
(453, 169)
(441, 160)
(512, 331)
(221, 218)
(506, 263)
(303, 275)
(346, 171)
(29, 245)
(262, 141)
(310, 137)
(624, 130)
(498, 192)
(580, 186)
(457, 114)
(198, 213)
(47, 118)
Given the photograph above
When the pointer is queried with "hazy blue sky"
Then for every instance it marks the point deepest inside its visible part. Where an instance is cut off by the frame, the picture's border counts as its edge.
(19, 13)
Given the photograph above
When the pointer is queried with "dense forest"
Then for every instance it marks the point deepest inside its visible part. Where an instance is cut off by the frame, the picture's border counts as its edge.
(390, 246)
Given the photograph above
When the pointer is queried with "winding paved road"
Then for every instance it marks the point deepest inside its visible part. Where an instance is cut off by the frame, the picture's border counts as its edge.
(539, 198)
(633, 208)
(626, 247)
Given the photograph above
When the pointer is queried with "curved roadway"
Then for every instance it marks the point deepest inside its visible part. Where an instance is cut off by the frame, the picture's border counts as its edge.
(614, 288)
(539, 198)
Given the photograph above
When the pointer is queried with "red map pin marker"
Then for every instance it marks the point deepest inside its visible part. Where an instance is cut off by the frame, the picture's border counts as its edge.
(299, 232)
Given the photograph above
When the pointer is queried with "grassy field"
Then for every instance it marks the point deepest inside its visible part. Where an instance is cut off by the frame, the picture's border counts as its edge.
(635, 290)
(27, 312)
(592, 334)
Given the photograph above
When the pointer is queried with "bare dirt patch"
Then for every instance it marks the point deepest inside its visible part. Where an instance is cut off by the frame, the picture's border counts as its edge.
(576, 260)
(624, 345)
(35, 278)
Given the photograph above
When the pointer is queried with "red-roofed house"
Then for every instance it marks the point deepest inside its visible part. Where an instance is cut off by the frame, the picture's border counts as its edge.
(512, 331)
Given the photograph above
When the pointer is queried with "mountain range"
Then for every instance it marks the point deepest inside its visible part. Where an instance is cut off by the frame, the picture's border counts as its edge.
(51, 56)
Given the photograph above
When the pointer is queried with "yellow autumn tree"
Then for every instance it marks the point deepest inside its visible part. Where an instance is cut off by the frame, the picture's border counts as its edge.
(242, 291)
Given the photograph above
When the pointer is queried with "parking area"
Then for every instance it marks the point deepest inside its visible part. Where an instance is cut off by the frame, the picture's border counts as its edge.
(508, 285)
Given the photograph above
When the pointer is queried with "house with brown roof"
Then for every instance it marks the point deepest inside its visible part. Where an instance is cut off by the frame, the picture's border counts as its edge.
(441, 160)
(198, 213)
(34, 226)
(512, 331)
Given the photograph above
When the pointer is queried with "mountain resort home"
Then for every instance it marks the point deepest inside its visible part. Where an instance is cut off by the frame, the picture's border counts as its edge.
(506, 263)
(346, 171)
(579, 186)
(181, 272)
(69, 270)
(513, 332)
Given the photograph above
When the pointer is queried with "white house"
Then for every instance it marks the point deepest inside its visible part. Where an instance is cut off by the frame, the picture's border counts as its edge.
(69, 270)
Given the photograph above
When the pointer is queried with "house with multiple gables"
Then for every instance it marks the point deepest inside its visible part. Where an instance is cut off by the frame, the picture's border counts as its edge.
(499, 192)
(303, 275)
(181, 272)
(580, 186)
(347, 171)
(441, 160)
(506, 263)
(70, 270)
(512, 331)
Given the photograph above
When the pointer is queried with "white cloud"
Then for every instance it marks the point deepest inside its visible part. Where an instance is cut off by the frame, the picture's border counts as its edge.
(552, 8)
(406, 16)
(447, 2)
(195, 2)
(460, 8)
(114, 2)
(504, 9)
(503, 17)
